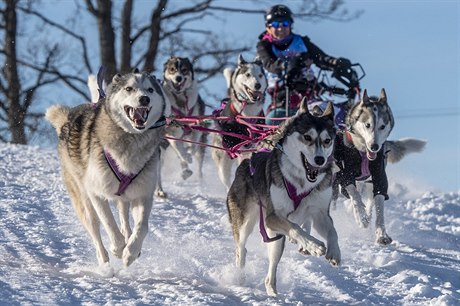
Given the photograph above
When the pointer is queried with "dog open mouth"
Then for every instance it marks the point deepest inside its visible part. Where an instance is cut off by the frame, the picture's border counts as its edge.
(371, 155)
(311, 172)
(138, 115)
(253, 95)
(178, 86)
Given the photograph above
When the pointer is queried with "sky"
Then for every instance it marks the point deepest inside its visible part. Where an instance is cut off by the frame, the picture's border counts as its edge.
(411, 48)
(46, 257)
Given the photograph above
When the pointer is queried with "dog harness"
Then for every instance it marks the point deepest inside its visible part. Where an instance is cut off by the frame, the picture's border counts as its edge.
(124, 179)
(293, 195)
(354, 165)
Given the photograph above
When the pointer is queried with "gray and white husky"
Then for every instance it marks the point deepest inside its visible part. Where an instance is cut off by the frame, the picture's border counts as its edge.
(246, 95)
(287, 191)
(109, 151)
(361, 152)
(181, 87)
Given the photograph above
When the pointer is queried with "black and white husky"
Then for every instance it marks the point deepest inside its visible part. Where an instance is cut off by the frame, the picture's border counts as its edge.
(361, 152)
(246, 95)
(181, 87)
(287, 191)
(109, 151)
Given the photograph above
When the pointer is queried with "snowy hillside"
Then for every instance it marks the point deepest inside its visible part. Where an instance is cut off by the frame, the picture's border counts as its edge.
(47, 258)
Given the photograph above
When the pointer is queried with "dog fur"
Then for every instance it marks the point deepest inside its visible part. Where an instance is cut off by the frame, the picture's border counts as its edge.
(181, 87)
(122, 124)
(246, 95)
(302, 158)
(368, 125)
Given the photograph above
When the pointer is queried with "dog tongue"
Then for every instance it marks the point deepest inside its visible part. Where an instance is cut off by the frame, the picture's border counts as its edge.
(139, 115)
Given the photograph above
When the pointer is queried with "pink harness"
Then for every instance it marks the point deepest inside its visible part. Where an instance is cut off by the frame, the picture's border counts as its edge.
(293, 195)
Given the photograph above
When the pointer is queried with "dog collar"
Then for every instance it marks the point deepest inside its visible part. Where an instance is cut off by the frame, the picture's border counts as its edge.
(160, 122)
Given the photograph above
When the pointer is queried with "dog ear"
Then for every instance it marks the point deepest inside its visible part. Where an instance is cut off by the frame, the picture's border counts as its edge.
(303, 107)
(329, 111)
(365, 99)
(116, 78)
(241, 60)
(383, 96)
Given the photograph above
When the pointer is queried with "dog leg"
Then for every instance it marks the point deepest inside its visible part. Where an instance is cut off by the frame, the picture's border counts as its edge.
(224, 170)
(359, 208)
(199, 154)
(275, 251)
(241, 237)
(295, 233)
(117, 240)
(123, 211)
(325, 227)
(87, 216)
(141, 212)
(381, 234)
(158, 186)
(306, 227)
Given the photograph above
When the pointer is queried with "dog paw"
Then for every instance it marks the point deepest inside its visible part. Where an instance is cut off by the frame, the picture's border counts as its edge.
(161, 194)
(270, 287)
(384, 240)
(186, 173)
(304, 252)
(333, 256)
(129, 258)
(315, 249)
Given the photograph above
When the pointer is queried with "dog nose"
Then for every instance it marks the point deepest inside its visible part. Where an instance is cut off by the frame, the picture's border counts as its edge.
(178, 78)
(319, 160)
(374, 147)
(257, 86)
(144, 100)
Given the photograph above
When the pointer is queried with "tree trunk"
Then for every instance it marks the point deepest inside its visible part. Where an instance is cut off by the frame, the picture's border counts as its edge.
(155, 28)
(125, 63)
(106, 38)
(16, 113)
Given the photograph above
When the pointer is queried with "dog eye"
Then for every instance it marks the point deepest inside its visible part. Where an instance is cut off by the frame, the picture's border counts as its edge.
(308, 138)
(327, 141)
(248, 74)
(261, 75)
(382, 127)
(129, 88)
(368, 125)
(150, 90)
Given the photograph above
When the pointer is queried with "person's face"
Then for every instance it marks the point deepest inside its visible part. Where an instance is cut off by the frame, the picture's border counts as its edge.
(279, 29)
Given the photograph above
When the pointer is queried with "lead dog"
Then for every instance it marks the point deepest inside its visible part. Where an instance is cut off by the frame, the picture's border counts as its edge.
(246, 95)
(287, 190)
(181, 87)
(361, 153)
(109, 151)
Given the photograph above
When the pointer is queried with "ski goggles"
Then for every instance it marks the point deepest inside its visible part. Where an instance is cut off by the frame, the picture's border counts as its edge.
(277, 24)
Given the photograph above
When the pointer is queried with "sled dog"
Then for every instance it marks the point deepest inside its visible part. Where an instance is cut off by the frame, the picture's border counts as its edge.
(246, 94)
(181, 87)
(287, 191)
(361, 152)
(109, 151)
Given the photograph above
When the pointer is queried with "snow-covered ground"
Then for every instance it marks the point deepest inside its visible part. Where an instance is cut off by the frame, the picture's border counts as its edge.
(47, 258)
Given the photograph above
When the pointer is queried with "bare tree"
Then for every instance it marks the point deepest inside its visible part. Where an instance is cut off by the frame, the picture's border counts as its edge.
(141, 43)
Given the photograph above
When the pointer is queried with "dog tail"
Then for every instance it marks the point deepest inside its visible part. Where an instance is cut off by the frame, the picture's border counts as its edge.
(92, 85)
(397, 149)
(228, 76)
(58, 116)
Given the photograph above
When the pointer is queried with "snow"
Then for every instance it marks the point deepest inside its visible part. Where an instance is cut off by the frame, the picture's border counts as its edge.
(46, 257)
